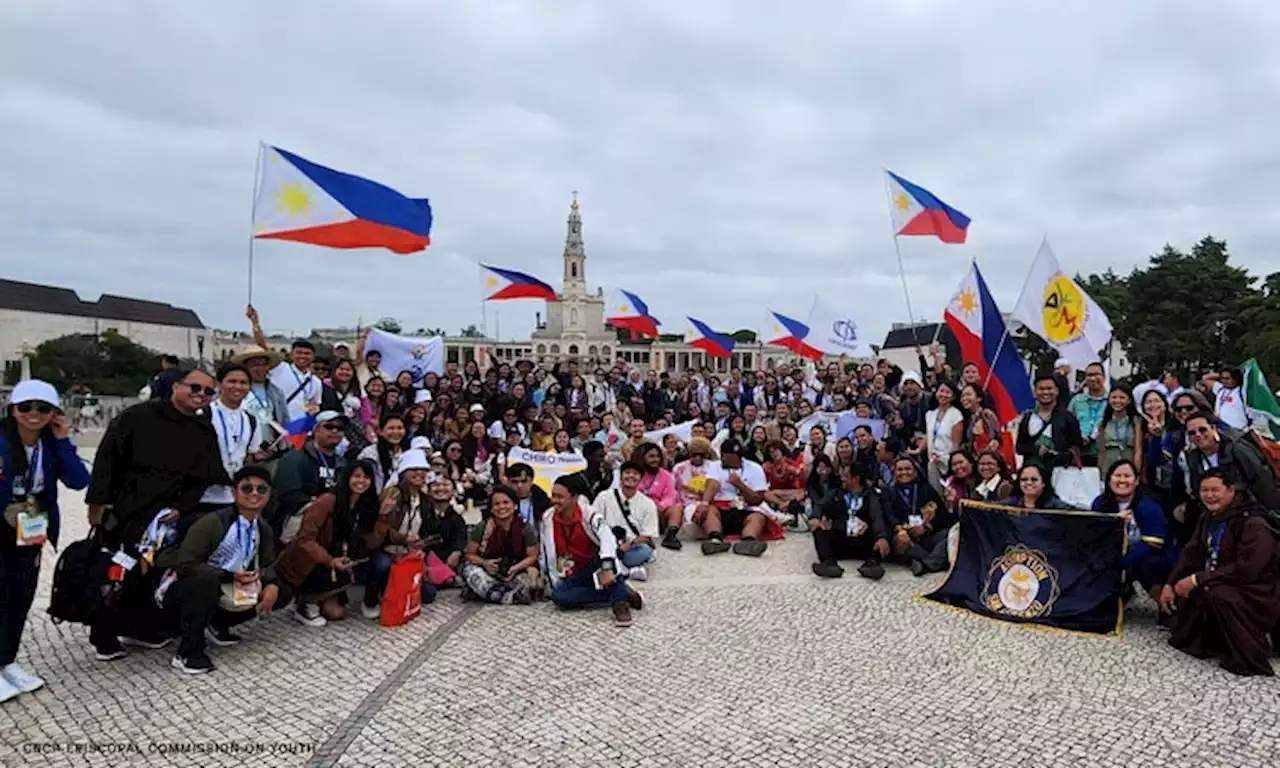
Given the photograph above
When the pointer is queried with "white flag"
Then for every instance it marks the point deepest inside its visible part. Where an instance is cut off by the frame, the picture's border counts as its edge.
(834, 332)
(1057, 310)
(417, 355)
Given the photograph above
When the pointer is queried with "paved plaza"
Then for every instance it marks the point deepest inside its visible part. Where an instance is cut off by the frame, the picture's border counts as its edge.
(733, 661)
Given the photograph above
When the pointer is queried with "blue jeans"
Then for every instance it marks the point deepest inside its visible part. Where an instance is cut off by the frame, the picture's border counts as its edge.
(579, 591)
(378, 571)
(637, 555)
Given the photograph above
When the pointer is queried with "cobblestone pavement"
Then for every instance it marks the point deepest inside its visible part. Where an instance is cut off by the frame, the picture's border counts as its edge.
(733, 662)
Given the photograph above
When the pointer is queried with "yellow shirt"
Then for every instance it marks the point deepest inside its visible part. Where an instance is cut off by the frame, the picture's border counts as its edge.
(541, 442)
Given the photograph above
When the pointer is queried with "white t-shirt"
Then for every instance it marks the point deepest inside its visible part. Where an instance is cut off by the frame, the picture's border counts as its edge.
(644, 513)
(289, 379)
(939, 432)
(751, 473)
(1230, 406)
(235, 435)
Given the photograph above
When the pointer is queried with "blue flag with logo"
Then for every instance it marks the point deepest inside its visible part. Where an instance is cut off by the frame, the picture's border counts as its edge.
(1057, 568)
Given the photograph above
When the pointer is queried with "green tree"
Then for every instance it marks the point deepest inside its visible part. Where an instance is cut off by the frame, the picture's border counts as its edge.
(109, 364)
(388, 324)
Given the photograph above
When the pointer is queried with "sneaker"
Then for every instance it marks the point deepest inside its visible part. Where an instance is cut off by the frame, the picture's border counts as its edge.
(21, 679)
(150, 643)
(621, 615)
(110, 650)
(827, 570)
(750, 548)
(714, 546)
(634, 599)
(670, 540)
(222, 637)
(871, 569)
(638, 573)
(309, 614)
(7, 690)
(197, 664)
(917, 568)
(370, 612)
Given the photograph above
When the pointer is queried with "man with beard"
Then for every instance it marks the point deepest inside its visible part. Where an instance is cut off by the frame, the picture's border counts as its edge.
(155, 460)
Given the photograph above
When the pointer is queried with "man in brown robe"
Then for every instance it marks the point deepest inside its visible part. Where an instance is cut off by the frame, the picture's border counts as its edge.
(1225, 590)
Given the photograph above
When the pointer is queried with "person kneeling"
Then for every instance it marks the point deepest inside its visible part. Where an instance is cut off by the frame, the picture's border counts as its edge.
(501, 564)
(221, 574)
(918, 518)
(850, 524)
(632, 517)
(318, 563)
(580, 556)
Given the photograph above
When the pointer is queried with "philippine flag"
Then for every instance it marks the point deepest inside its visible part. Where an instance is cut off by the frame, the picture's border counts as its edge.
(700, 336)
(505, 284)
(917, 211)
(790, 333)
(296, 431)
(628, 311)
(975, 320)
(304, 202)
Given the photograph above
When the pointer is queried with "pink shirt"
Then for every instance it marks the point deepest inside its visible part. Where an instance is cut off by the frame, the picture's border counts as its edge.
(682, 474)
(661, 488)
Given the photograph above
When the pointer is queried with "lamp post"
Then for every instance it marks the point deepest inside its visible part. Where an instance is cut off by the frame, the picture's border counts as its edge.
(200, 347)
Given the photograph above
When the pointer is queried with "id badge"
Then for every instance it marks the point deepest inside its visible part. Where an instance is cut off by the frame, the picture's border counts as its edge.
(33, 526)
(246, 595)
(915, 521)
(564, 564)
(326, 475)
(855, 527)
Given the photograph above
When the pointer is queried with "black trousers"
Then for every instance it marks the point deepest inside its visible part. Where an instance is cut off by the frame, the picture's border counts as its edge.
(19, 572)
(193, 603)
(835, 544)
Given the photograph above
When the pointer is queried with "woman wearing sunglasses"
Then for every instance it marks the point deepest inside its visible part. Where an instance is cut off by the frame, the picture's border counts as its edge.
(35, 454)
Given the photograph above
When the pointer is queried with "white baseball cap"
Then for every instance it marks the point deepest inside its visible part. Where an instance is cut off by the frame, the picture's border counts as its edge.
(421, 396)
(910, 376)
(35, 390)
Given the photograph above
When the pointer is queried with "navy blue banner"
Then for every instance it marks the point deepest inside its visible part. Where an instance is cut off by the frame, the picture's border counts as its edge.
(1055, 568)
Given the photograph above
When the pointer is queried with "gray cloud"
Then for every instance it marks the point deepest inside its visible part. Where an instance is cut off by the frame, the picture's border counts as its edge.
(728, 153)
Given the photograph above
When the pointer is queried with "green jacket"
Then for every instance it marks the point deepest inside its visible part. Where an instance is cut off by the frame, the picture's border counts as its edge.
(190, 557)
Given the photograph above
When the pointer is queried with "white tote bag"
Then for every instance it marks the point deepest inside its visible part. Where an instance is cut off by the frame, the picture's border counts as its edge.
(1077, 486)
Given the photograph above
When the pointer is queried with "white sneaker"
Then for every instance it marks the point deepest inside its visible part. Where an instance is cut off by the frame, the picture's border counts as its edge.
(309, 614)
(371, 612)
(638, 573)
(21, 679)
(7, 690)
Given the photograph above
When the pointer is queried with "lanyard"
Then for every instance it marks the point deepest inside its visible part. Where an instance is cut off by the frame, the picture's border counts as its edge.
(244, 541)
(1215, 544)
(323, 460)
(303, 381)
(264, 403)
(33, 467)
(227, 437)
(937, 424)
(853, 501)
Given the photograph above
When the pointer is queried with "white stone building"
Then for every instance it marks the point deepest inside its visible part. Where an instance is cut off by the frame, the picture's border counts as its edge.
(31, 314)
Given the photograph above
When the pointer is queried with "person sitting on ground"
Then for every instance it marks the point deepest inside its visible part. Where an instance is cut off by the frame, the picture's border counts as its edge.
(1035, 489)
(657, 482)
(632, 516)
(1224, 592)
(821, 481)
(736, 488)
(222, 574)
(786, 478)
(579, 555)
(850, 524)
(1151, 553)
(398, 531)
(317, 564)
(690, 478)
(918, 519)
(443, 531)
(995, 481)
(531, 501)
(501, 563)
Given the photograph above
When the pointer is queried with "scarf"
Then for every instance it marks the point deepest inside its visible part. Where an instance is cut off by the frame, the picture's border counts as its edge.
(503, 546)
(239, 546)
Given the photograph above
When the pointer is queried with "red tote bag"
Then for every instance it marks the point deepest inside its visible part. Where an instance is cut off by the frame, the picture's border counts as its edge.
(402, 601)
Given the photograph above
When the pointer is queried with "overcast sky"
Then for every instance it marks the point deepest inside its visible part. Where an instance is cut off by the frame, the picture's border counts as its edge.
(728, 153)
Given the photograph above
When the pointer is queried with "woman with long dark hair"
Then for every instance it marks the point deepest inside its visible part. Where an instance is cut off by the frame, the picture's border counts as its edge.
(995, 481)
(1151, 554)
(501, 562)
(1120, 433)
(384, 452)
(821, 480)
(318, 563)
(36, 454)
(981, 424)
(1159, 465)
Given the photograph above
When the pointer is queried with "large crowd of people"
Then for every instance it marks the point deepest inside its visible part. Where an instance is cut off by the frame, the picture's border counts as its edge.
(215, 518)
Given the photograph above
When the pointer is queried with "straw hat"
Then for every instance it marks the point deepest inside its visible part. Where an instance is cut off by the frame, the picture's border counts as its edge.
(253, 351)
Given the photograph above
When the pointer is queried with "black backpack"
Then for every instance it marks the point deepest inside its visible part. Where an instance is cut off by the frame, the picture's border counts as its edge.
(80, 586)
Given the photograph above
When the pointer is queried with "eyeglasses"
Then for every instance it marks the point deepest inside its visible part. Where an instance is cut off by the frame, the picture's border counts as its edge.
(44, 409)
(254, 489)
(331, 426)
(1200, 430)
(197, 389)
(1184, 408)
(1030, 480)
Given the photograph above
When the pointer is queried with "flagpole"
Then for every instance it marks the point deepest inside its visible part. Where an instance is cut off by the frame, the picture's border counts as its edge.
(1000, 347)
(253, 214)
(902, 270)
